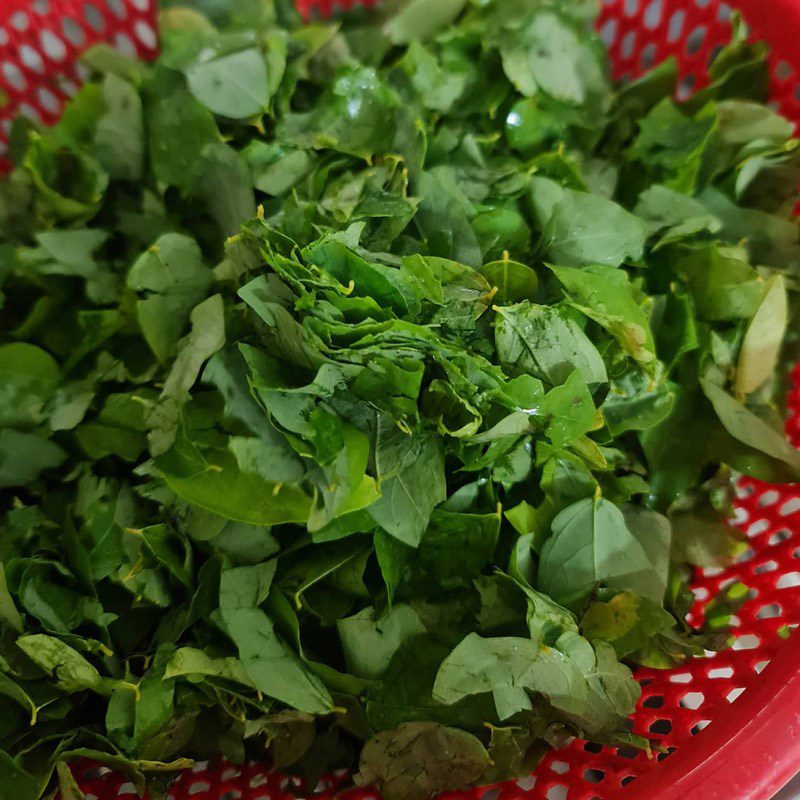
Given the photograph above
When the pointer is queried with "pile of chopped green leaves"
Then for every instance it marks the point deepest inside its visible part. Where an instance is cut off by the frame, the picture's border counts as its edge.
(368, 388)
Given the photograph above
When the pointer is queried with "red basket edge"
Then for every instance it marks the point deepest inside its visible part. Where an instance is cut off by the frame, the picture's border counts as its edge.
(754, 749)
(749, 754)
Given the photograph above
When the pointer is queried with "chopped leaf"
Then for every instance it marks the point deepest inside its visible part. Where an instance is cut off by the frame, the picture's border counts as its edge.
(370, 387)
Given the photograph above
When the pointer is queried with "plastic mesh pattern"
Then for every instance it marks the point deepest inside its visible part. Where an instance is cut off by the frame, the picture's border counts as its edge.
(40, 41)
(39, 45)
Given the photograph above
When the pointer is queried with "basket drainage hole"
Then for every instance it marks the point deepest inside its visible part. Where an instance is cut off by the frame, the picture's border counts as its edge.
(557, 792)
(734, 694)
(258, 780)
(770, 497)
(790, 507)
(527, 783)
(693, 700)
(695, 40)
(631, 7)
(686, 87)
(771, 611)
(592, 747)
(783, 70)
(198, 787)
(704, 723)
(669, 752)
(788, 581)
(594, 775)
(720, 672)
(233, 794)
(608, 33)
(747, 642)
(681, 677)
(656, 701)
(652, 14)
(761, 666)
(676, 26)
(767, 566)
(758, 527)
(661, 727)
(627, 779)
(559, 767)
(779, 536)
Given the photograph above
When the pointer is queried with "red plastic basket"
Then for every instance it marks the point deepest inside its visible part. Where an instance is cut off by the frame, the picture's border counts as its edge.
(729, 724)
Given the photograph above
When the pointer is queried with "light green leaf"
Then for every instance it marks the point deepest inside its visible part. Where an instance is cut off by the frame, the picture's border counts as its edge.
(28, 378)
(591, 545)
(762, 343)
(589, 229)
(172, 278)
(369, 640)
(749, 429)
(70, 669)
(232, 85)
(547, 343)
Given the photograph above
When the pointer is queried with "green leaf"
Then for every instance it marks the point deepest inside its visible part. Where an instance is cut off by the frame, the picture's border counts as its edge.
(369, 641)
(368, 280)
(443, 220)
(626, 621)
(393, 557)
(588, 229)
(515, 282)
(568, 410)
(15, 781)
(457, 547)
(12, 690)
(591, 545)
(194, 664)
(71, 671)
(408, 493)
(547, 343)
(604, 295)
(762, 343)
(213, 481)
(419, 20)
(206, 338)
(272, 666)
(24, 456)
(178, 128)
(704, 538)
(119, 144)
(168, 549)
(154, 709)
(172, 279)
(572, 676)
(723, 284)
(417, 758)
(29, 377)
(8, 611)
(223, 187)
(232, 85)
(548, 55)
(748, 428)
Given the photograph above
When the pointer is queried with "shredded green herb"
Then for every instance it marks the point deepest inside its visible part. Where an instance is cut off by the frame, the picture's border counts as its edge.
(368, 388)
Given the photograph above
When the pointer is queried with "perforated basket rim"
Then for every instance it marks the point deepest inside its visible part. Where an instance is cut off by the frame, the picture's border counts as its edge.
(752, 747)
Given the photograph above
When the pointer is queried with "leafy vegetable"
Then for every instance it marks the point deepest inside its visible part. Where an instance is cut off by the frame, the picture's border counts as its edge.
(368, 386)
